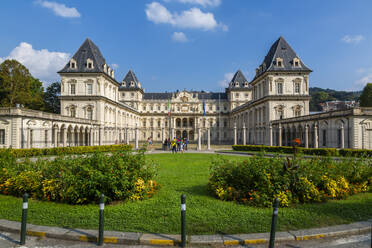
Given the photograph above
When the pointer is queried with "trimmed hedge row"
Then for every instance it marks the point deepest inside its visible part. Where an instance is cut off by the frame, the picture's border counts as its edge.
(307, 151)
(33, 152)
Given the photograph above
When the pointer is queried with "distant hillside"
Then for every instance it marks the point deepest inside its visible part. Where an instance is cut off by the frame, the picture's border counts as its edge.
(319, 95)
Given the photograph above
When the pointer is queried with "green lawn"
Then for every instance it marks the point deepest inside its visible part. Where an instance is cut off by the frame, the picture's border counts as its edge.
(188, 174)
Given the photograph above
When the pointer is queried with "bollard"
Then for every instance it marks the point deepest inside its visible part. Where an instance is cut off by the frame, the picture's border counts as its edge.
(24, 219)
(183, 220)
(273, 223)
(101, 219)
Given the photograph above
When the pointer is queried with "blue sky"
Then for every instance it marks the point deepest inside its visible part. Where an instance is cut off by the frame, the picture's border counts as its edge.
(192, 44)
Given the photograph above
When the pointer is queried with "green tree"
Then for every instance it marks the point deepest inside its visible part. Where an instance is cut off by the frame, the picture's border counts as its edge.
(37, 94)
(15, 84)
(18, 86)
(366, 97)
(52, 103)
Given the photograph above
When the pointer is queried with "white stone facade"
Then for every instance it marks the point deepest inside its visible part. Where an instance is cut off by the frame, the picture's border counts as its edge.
(272, 109)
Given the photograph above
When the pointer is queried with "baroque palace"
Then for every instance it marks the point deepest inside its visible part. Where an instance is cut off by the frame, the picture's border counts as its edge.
(272, 109)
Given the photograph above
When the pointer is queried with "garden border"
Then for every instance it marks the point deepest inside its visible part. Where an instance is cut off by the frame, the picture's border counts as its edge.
(131, 238)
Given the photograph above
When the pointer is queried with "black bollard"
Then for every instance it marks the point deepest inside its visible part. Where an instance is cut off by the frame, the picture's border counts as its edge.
(183, 220)
(101, 219)
(273, 223)
(24, 219)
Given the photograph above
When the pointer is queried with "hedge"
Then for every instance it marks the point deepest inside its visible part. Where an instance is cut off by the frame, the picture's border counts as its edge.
(307, 151)
(34, 152)
(258, 180)
(122, 175)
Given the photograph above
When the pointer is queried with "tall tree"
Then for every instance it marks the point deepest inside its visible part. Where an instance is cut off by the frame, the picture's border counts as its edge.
(37, 94)
(52, 103)
(366, 97)
(18, 86)
(15, 84)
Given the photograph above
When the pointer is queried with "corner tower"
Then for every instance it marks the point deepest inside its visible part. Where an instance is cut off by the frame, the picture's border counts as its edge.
(131, 91)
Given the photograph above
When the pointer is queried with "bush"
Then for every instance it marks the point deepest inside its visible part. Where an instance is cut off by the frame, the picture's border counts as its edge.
(119, 176)
(258, 180)
(308, 151)
(34, 152)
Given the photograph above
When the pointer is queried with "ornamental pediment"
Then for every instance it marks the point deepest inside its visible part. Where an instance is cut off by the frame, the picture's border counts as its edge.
(186, 97)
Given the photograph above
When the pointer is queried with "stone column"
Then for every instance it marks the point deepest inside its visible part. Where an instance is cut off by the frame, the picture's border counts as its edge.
(162, 134)
(72, 138)
(316, 139)
(244, 134)
(83, 140)
(209, 138)
(199, 139)
(306, 136)
(280, 134)
(136, 134)
(271, 135)
(100, 141)
(342, 136)
(55, 137)
(64, 137)
(235, 134)
(29, 138)
(127, 136)
(91, 134)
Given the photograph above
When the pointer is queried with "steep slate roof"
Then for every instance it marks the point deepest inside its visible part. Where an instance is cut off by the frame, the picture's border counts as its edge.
(201, 96)
(157, 96)
(88, 50)
(130, 77)
(238, 78)
(212, 96)
(281, 49)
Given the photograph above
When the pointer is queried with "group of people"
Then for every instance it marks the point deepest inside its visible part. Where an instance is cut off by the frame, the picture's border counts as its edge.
(176, 145)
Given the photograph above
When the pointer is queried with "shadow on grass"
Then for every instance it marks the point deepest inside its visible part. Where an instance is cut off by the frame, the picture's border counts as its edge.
(199, 190)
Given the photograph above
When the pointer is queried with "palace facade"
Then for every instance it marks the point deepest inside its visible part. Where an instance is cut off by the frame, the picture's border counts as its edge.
(272, 109)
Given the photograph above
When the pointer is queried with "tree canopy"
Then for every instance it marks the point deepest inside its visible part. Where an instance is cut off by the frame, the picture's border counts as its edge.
(17, 86)
(366, 97)
(52, 103)
(319, 95)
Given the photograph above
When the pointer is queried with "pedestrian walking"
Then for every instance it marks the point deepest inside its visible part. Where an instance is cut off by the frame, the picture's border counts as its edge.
(174, 146)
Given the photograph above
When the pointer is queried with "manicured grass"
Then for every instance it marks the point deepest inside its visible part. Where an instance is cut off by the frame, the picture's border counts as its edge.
(188, 174)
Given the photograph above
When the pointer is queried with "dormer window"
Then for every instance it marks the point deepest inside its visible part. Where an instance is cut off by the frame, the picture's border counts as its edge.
(236, 84)
(279, 62)
(296, 62)
(246, 84)
(132, 84)
(72, 64)
(89, 64)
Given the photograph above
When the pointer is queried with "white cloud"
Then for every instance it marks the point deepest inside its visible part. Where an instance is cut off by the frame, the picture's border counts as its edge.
(227, 78)
(359, 84)
(203, 3)
(193, 18)
(352, 39)
(59, 9)
(42, 64)
(114, 66)
(179, 37)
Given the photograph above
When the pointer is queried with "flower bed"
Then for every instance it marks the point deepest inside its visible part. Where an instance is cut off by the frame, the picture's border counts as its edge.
(258, 180)
(307, 151)
(33, 152)
(81, 180)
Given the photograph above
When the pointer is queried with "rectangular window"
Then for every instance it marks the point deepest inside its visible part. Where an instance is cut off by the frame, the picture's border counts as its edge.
(90, 89)
(280, 88)
(73, 89)
(2, 136)
(90, 114)
(297, 87)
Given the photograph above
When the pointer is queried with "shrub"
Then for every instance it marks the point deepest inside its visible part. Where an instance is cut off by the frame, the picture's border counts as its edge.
(80, 180)
(307, 151)
(35, 152)
(258, 180)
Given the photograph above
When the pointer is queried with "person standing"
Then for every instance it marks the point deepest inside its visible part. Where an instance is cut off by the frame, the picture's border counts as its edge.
(186, 143)
(173, 146)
